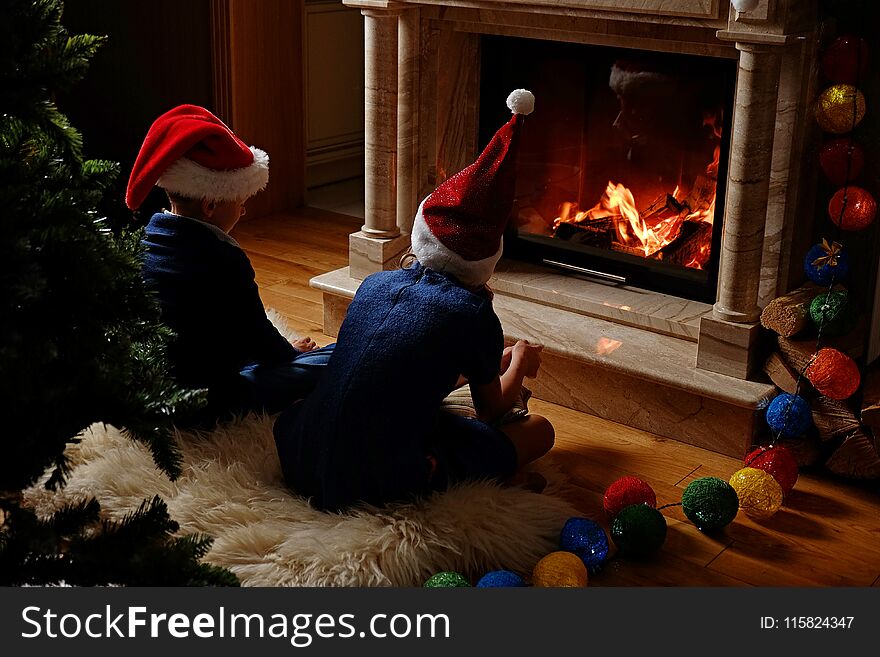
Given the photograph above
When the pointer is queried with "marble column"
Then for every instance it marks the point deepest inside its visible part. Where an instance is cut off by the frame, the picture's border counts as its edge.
(380, 128)
(379, 243)
(729, 339)
(754, 121)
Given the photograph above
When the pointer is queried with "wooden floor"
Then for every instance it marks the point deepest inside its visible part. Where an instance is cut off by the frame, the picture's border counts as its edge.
(827, 534)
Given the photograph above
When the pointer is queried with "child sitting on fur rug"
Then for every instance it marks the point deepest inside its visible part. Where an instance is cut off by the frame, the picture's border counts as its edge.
(205, 282)
(413, 334)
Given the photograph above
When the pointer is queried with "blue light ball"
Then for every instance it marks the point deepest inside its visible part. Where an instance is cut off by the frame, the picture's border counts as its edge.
(825, 274)
(500, 579)
(587, 540)
(789, 415)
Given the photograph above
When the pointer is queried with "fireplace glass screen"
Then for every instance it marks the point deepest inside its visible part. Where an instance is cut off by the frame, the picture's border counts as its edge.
(621, 168)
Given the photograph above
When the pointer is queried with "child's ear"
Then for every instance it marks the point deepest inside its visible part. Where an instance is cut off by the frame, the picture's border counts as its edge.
(208, 208)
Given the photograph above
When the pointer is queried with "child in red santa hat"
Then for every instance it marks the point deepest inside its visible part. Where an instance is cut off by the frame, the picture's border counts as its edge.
(411, 335)
(204, 281)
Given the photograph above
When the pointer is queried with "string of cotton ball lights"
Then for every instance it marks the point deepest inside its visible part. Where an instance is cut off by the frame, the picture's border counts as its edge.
(840, 108)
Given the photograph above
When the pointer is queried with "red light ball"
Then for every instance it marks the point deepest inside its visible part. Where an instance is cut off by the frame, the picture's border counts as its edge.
(833, 373)
(860, 210)
(841, 160)
(846, 60)
(776, 461)
(625, 492)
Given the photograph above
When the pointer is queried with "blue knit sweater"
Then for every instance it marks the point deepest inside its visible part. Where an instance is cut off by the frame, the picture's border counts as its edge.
(209, 298)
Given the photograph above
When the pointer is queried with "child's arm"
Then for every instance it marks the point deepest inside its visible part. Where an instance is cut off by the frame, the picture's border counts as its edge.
(493, 399)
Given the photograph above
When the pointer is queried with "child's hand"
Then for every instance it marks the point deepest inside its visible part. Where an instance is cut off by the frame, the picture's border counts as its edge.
(506, 355)
(526, 358)
(304, 344)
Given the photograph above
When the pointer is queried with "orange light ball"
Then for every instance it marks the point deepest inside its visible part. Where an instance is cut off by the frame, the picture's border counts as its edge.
(840, 108)
(833, 373)
(859, 212)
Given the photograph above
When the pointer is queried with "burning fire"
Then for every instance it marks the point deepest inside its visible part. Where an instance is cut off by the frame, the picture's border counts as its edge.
(659, 225)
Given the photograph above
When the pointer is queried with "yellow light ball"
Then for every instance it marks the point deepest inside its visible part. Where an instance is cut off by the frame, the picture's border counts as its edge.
(560, 569)
(760, 495)
(840, 108)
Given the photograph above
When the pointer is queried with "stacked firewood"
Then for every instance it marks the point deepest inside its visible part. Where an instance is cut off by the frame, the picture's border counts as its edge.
(846, 434)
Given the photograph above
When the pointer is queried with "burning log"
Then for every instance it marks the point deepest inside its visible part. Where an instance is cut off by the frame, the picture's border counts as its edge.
(595, 233)
(688, 247)
(666, 203)
(702, 195)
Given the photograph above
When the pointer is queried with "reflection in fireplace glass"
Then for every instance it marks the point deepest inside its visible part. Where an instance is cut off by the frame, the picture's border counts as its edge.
(619, 166)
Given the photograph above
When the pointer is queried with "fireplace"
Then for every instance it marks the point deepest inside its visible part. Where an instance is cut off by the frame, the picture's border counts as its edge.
(672, 349)
(619, 169)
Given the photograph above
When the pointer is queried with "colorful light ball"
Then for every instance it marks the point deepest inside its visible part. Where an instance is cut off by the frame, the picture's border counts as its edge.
(560, 570)
(840, 108)
(833, 373)
(446, 579)
(710, 503)
(789, 415)
(825, 264)
(846, 60)
(586, 539)
(852, 208)
(626, 491)
(500, 579)
(778, 461)
(760, 495)
(841, 160)
(834, 312)
(638, 530)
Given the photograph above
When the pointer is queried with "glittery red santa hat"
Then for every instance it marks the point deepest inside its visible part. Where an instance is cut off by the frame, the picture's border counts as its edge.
(459, 226)
(190, 152)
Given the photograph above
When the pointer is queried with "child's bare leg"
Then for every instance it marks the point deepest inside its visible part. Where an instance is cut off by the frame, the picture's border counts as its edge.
(532, 437)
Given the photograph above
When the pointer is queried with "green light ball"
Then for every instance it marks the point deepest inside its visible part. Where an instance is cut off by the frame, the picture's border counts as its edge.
(638, 530)
(834, 312)
(710, 503)
(445, 579)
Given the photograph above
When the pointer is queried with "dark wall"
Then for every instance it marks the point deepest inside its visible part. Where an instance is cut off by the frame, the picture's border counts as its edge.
(158, 55)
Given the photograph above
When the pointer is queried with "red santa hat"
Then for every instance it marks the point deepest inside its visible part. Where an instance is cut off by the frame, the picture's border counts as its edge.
(190, 152)
(458, 228)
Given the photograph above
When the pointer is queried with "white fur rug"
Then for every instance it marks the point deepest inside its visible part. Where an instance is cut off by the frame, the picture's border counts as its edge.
(232, 489)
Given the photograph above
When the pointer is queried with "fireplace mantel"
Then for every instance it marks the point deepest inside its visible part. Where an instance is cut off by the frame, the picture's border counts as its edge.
(422, 101)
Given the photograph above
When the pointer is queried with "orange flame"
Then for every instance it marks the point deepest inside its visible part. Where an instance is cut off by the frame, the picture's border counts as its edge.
(630, 229)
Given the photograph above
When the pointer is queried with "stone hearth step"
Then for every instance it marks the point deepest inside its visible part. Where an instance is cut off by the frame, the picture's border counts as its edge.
(621, 373)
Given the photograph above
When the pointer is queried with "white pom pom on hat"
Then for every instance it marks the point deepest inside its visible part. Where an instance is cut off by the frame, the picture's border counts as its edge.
(521, 101)
(459, 227)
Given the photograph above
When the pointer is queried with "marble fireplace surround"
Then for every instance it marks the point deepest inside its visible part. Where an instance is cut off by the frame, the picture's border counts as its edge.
(675, 367)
